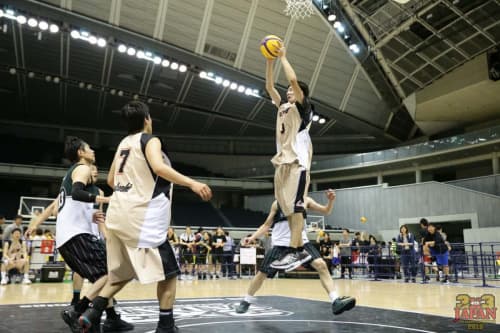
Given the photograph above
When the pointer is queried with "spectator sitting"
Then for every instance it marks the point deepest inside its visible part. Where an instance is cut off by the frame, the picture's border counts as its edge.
(15, 256)
(18, 221)
(48, 234)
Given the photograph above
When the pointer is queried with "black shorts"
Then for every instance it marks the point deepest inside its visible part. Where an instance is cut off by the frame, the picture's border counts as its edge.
(217, 257)
(201, 259)
(278, 251)
(85, 254)
(186, 257)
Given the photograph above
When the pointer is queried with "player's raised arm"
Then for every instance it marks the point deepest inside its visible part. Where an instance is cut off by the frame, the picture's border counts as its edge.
(265, 226)
(155, 159)
(271, 90)
(291, 76)
(324, 209)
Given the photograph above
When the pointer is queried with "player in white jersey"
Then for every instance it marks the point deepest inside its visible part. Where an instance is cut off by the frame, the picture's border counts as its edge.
(138, 217)
(280, 238)
(292, 161)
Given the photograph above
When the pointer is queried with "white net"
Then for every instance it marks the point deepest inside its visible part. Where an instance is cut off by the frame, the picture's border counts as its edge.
(299, 8)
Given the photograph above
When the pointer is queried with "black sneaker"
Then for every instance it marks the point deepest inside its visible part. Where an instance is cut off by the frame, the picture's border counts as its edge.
(243, 307)
(344, 303)
(90, 320)
(116, 325)
(414, 280)
(160, 329)
(70, 317)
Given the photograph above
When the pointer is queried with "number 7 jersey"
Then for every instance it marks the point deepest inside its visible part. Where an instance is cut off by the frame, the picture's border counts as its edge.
(140, 209)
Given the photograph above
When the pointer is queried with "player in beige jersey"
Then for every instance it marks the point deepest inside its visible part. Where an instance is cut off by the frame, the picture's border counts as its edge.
(292, 161)
(138, 217)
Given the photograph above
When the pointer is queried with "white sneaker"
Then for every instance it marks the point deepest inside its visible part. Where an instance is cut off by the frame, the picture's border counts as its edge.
(26, 281)
(4, 281)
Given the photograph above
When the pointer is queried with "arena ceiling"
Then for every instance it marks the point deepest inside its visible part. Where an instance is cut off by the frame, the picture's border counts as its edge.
(194, 115)
(420, 42)
(423, 40)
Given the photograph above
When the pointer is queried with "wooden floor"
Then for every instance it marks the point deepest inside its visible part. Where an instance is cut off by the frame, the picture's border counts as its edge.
(429, 298)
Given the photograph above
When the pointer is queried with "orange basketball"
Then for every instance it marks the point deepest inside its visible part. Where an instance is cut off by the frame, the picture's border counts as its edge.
(270, 46)
(363, 219)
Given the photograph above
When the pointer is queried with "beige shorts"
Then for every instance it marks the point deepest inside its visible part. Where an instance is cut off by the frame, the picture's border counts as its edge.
(147, 265)
(291, 184)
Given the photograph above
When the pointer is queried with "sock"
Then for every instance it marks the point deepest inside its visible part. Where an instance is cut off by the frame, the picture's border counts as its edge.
(249, 299)
(27, 276)
(82, 305)
(111, 313)
(4, 275)
(100, 303)
(76, 296)
(166, 318)
(333, 296)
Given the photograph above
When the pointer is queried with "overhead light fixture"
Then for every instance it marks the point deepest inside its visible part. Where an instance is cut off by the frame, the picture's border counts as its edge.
(92, 40)
(140, 54)
(226, 83)
(157, 60)
(182, 68)
(31, 75)
(75, 34)
(248, 91)
(81, 85)
(354, 48)
(136, 97)
(131, 51)
(150, 100)
(89, 86)
(101, 42)
(174, 66)
(241, 88)
(120, 93)
(112, 91)
(339, 27)
(166, 63)
(203, 75)
(1, 12)
(54, 28)
(12, 71)
(43, 25)
(233, 86)
(56, 80)
(32, 22)
(332, 17)
(21, 19)
(122, 48)
(218, 80)
(322, 121)
(315, 117)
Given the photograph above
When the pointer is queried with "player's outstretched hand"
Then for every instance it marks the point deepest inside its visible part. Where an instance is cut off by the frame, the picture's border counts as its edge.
(29, 232)
(202, 190)
(330, 194)
(98, 216)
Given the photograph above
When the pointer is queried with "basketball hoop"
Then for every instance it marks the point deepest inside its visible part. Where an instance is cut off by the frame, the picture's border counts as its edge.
(299, 8)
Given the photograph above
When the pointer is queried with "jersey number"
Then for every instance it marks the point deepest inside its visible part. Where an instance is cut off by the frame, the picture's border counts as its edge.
(282, 128)
(62, 199)
(125, 153)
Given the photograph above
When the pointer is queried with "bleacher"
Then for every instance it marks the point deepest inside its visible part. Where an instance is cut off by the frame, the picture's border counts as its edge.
(244, 218)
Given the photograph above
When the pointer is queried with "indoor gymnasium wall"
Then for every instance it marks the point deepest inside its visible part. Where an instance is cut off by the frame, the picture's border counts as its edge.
(384, 206)
(486, 184)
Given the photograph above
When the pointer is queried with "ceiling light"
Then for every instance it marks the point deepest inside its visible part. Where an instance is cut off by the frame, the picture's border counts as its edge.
(332, 17)
(248, 91)
(92, 40)
(315, 117)
(57, 80)
(157, 60)
(322, 121)
(149, 54)
(165, 103)
(101, 42)
(120, 93)
(226, 83)
(89, 86)
(74, 33)
(136, 97)
(21, 19)
(174, 66)
(140, 54)
(32, 22)
(81, 85)
(233, 86)
(182, 68)
(218, 80)
(339, 26)
(131, 51)
(43, 25)
(203, 75)
(255, 92)
(122, 48)
(1, 13)
(241, 88)
(31, 75)
(150, 100)
(48, 78)
(166, 63)
(12, 71)
(54, 28)
(112, 91)
(354, 48)
(210, 74)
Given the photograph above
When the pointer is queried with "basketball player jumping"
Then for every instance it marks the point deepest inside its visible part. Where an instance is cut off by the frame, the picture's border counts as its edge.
(138, 217)
(280, 237)
(292, 161)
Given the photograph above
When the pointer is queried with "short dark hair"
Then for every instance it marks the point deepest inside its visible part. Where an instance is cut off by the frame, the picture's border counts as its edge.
(2, 216)
(18, 217)
(357, 233)
(439, 227)
(304, 87)
(16, 229)
(345, 229)
(134, 113)
(39, 232)
(424, 222)
(71, 146)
